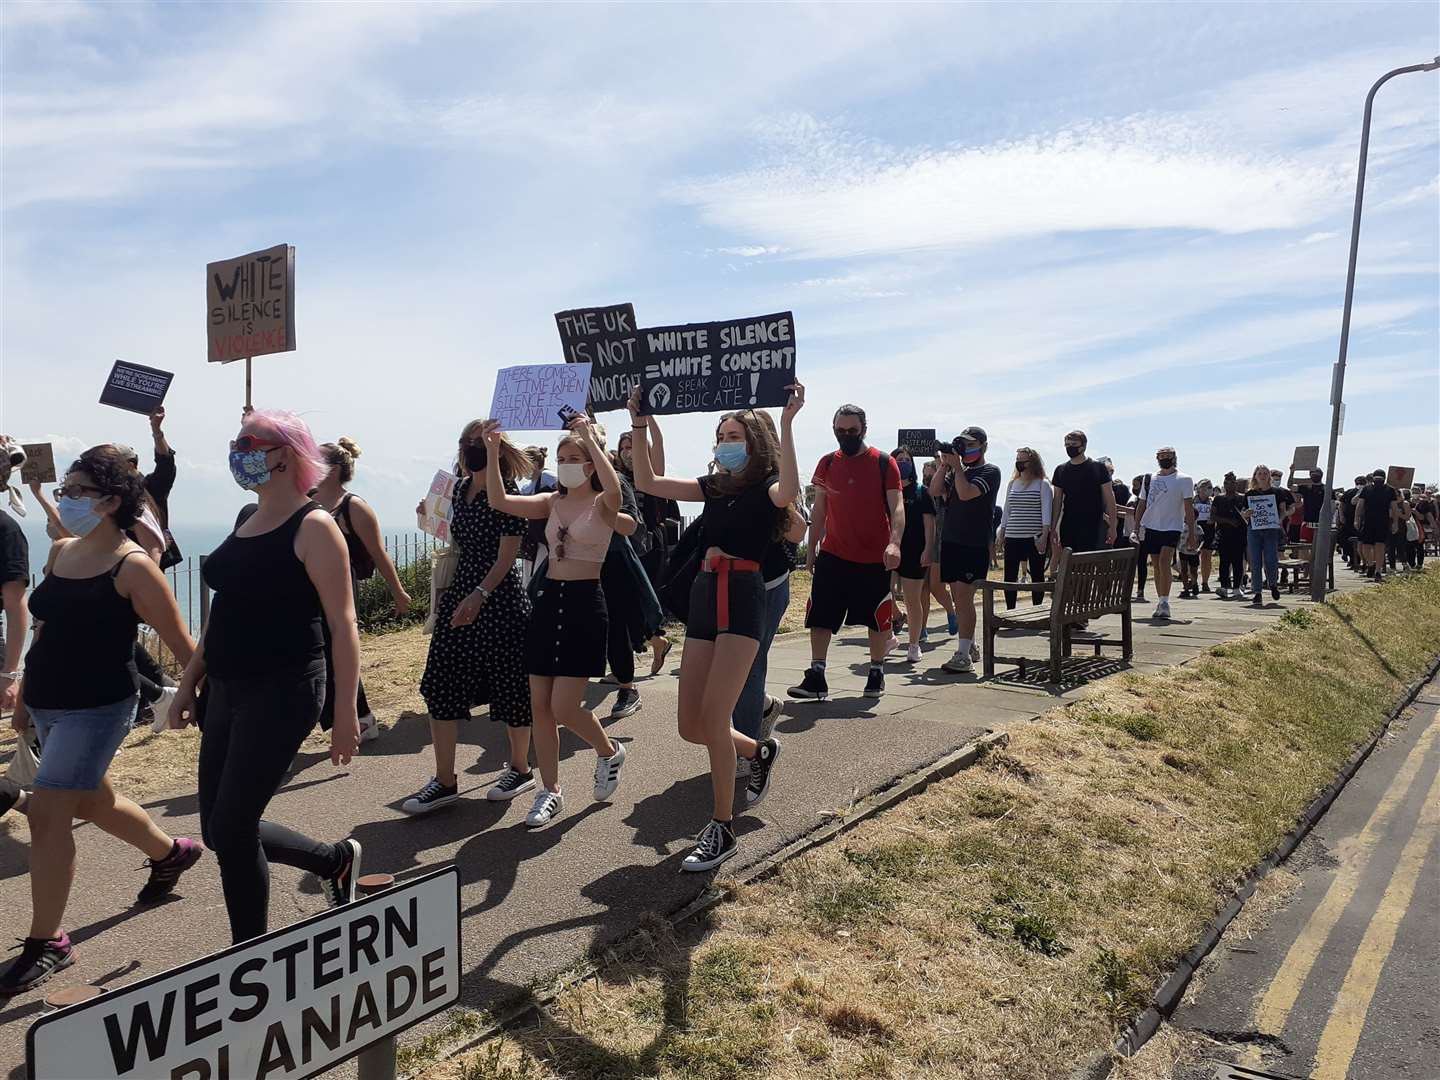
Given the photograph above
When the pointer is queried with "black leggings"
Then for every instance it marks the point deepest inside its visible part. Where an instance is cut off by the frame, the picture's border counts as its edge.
(1140, 564)
(150, 676)
(253, 728)
(1020, 549)
(1231, 543)
(619, 652)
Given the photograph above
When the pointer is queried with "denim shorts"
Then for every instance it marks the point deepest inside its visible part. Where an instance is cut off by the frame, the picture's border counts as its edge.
(77, 745)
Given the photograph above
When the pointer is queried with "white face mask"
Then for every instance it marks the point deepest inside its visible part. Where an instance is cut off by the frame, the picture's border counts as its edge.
(572, 474)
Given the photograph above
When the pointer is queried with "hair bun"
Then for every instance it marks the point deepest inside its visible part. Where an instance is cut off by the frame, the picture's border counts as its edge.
(348, 445)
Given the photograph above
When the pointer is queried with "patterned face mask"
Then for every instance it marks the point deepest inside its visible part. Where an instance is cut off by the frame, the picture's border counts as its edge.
(249, 468)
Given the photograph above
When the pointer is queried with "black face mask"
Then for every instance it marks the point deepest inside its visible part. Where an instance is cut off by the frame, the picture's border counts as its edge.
(475, 457)
(1074, 449)
(1165, 462)
(850, 445)
(1021, 466)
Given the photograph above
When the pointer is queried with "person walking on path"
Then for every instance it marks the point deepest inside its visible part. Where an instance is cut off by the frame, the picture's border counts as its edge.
(477, 647)
(969, 484)
(856, 526)
(1231, 540)
(1084, 499)
(915, 547)
(1426, 525)
(79, 692)
(366, 547)
(934, 586)
(1266, 509)
(1166, 512)
(566, 644)
(747, 500)
(1026, 522)
(262, 658)
(1375, 510)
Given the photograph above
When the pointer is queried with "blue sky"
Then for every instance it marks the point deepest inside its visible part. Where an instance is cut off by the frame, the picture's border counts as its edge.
(1127, 218)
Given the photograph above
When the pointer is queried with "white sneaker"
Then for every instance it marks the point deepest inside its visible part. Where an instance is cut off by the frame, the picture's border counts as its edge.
(607, 773)
(959, 664)
(548, 805)
(369, 728)
(1162, 609)
(161, 708)
(912, 654)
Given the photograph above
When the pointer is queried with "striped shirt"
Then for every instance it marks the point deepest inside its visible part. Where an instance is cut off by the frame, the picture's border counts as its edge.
(1027, 509)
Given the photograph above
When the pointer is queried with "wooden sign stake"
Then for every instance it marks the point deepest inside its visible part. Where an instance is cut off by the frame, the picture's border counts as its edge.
(247, 384)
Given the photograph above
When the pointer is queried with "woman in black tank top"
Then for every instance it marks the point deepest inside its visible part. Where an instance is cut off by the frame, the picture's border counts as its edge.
(263, 656)
(79, 692)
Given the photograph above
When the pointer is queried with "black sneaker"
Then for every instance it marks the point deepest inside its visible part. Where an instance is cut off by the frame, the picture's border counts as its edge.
(875, 684)
(166, 872)
(767, 752)
(1274, 594)
(10, 793)
(1205, 587)
(717, 843)
(627, 703)
(769, 716)
(430, 797)
(512, 782)
(813, 686)
(39, 959)
(1257, 600)
(339, 887)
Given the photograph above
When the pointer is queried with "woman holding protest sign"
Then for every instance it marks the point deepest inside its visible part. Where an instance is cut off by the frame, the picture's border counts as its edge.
(747, 500)
(477, 648)
(567, 639)
(1266, 507)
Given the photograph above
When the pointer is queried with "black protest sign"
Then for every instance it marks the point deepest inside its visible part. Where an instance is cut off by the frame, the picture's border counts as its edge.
(135, 387)
(250, 304)
(719, 366)
(920, 441)
(605, 338)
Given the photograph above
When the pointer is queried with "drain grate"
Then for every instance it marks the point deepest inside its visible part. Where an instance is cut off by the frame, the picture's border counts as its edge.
(1226, 1071)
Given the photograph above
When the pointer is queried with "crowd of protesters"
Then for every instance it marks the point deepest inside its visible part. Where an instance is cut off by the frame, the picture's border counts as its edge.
(553, 579)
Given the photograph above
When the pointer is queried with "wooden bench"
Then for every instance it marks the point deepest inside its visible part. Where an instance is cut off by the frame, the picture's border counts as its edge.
(1296, 558)
(1087, 585)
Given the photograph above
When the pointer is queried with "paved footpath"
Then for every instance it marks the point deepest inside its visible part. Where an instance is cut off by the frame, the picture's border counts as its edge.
(533, 903)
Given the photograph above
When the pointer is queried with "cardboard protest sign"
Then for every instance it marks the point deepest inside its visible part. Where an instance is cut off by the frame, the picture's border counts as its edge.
(438, 509)
(135, 387)
(250, 304)
(921, 441)
(1400, 477)
(606, 338)
(530, 397)
(39, 467)
(1305, 459)
(714, 367)
(1263, 512)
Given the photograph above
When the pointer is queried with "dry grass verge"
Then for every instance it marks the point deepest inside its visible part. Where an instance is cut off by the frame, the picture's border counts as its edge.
(1005, 922)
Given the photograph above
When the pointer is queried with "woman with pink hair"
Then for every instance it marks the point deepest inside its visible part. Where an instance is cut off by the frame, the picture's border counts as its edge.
(262, 655)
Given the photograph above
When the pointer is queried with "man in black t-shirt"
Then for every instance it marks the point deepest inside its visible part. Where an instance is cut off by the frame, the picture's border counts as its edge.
(1312, 497)
(1349, 536)
(1375, 509)
(968, 483)
(1084, 499)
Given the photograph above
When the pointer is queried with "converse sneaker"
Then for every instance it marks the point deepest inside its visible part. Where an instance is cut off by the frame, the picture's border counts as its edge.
(627, 703)
(607, 773)
(339, 887)
(511, 783)
(761, 767)
(813, 686)
(39, 959)
(912, 654)
(769, 717)
(959, 664)
(548, 805)
(430, 797)
(164, 873)
(369, 728)
(716, 844)
(875, 684)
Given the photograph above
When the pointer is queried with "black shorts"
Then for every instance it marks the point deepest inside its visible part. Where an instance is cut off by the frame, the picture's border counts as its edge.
(910, 564)
(1377, 532)
(1086, 534)
(568, 628)
(846, 593)
(745, 605)
(1155, 539)
(963, 563)
(1207, 536)
(1190, 558)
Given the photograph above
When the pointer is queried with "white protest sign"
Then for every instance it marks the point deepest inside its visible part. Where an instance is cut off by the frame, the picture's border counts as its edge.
(1202, 512)
(531, 397)
(1263, 512)
(438, 508)
(285, 1006)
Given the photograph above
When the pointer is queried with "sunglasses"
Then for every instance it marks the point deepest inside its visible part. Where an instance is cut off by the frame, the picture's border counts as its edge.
(245, 443)
(75, 491)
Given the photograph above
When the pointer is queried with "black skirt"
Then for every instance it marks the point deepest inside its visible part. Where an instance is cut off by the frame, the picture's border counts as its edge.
(567, 631)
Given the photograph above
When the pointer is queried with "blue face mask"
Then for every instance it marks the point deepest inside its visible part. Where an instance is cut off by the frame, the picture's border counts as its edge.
(731, 456)
(77, 515)
(249, 469)
(907, 471)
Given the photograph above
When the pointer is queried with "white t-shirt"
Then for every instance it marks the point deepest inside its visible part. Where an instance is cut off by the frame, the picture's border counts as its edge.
(1165, 502)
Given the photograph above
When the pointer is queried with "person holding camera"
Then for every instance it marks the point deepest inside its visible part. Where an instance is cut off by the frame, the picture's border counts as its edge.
(969, 485)
(855, 532)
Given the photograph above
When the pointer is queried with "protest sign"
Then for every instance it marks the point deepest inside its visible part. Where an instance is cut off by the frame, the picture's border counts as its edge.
(288, 1005)
(1202, 512)
(39, 467)
(250, 304)
(1400, 477)
(921, 441)
(437, 509)
(607, 340)
(135, 387)
(714, 367)
(1305, 459)
(530, 397)
(1263, 512)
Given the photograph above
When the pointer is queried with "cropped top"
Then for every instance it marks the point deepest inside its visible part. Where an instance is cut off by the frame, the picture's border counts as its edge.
(584, 538)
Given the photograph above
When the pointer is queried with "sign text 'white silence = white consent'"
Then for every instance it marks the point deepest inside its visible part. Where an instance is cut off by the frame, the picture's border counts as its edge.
(284, 1006)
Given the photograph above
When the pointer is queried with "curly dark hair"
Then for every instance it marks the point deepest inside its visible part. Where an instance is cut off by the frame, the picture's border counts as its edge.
(113, 474)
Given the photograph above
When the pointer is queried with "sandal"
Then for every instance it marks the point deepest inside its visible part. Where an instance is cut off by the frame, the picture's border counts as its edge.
(658, 661)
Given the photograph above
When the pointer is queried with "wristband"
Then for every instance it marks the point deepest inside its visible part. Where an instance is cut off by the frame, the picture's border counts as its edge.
(639, 427)
(484, 592)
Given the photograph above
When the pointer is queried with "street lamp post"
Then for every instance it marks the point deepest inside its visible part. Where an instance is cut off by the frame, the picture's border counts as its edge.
(1323, 553)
